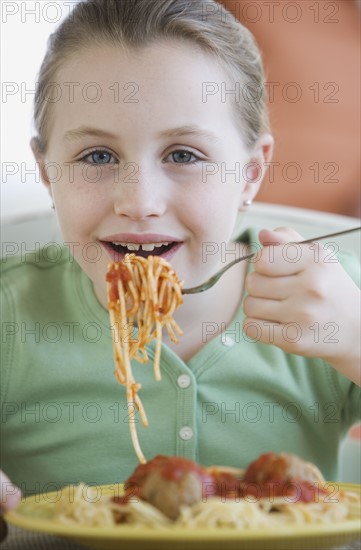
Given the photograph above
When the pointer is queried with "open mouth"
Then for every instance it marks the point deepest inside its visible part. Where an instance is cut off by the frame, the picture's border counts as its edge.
(143, 250)
(118, 250)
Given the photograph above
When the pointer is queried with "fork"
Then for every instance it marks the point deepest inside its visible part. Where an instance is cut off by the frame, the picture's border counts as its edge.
(212, 280)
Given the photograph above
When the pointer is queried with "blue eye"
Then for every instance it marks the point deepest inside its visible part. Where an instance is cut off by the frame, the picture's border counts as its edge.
(184, 157)
(99, 157)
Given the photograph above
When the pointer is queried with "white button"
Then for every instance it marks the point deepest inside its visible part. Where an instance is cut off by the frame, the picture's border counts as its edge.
(227, 340)
(184, 381)
(186, 433)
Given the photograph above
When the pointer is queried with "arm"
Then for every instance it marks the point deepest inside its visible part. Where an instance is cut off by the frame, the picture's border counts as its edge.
(305, 295)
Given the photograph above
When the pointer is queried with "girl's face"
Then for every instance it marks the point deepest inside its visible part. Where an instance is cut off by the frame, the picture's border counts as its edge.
(141, 158)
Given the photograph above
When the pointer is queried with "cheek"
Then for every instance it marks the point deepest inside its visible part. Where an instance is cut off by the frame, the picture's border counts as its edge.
(78, 208)
(211, 208)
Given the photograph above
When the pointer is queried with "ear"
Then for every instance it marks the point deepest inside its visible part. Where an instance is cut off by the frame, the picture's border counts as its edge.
(256, 169)
(39, 157)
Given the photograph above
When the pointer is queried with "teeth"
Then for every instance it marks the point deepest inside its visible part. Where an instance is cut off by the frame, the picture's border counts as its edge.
(149, 247)
(146, 247)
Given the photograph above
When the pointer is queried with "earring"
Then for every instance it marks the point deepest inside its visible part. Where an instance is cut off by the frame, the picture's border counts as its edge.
(53, 206)
(247, 202)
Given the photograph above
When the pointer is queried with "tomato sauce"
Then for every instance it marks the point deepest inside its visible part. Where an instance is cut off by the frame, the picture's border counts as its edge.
(116, 272)
(267, 477)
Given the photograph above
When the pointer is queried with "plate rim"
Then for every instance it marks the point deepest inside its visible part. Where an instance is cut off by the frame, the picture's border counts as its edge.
(123, 532)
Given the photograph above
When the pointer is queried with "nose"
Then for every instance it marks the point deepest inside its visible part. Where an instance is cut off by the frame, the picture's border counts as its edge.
(138, 197)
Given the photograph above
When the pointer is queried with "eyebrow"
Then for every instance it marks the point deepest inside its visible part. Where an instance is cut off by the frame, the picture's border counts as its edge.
(83, 131)
(189, 131)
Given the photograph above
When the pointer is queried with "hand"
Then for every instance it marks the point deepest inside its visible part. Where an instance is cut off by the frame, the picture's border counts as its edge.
(10, 495)
(302, 300)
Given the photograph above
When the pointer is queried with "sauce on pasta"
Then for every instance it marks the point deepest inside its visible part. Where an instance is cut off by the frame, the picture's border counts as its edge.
(174, 492)
(143, 293)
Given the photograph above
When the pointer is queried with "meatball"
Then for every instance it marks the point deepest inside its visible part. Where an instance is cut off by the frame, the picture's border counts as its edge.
(272, 467)
(168, 483)
(168, 496)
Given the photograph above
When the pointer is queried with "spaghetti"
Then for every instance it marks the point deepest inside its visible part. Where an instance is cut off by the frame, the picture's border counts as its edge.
(142, 292)
(275, 489)
(238, 509)
(243, 514)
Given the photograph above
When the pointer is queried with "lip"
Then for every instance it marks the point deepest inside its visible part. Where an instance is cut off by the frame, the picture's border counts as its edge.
(138, 239)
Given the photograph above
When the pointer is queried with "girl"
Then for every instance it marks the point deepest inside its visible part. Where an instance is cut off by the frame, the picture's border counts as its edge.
(152, 136)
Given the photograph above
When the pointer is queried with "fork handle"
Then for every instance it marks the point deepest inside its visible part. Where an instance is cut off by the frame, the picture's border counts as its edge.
(212, 281)
(337, 234)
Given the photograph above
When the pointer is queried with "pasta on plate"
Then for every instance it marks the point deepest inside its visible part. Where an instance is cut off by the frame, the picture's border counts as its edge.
(275, 490)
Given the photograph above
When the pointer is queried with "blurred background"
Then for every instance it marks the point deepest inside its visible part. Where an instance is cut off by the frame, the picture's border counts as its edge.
(311, 52)
(26, 26)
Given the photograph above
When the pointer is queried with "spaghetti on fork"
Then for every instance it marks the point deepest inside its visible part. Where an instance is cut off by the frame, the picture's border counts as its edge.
(142, 293)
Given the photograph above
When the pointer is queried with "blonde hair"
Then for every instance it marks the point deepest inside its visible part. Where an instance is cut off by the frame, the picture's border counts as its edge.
(136, 23)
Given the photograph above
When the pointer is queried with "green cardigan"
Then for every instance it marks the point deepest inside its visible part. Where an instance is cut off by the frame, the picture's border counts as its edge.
(65, 418)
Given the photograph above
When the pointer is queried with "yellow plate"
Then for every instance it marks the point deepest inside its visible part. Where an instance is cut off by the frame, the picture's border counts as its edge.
(128, 538)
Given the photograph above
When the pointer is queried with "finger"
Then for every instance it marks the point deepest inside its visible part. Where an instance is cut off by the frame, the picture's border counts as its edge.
(288, 259)
(10, 495)
(262, 309)
(287, 336)
(281, 235)
(280, 255)
(272, 288)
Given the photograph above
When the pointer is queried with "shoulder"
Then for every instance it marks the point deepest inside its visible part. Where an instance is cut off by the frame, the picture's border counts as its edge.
(32, 287)
(32, 290)
(34, 270)
(38, 259)
(38, 287)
